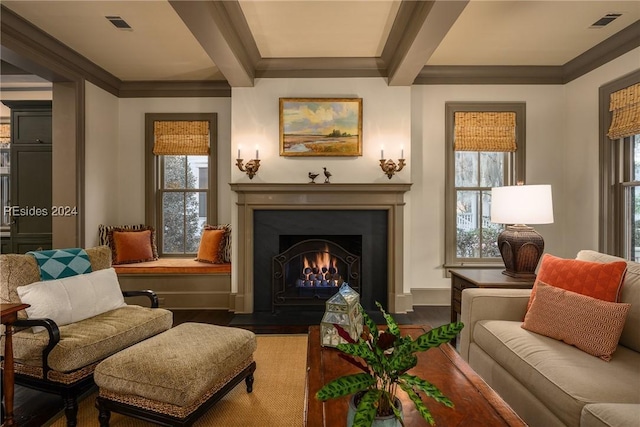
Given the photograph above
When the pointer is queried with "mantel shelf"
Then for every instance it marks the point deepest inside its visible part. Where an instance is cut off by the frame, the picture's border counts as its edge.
(319, 188)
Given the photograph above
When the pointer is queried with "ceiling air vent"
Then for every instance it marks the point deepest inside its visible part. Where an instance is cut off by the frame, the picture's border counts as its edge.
(118, 22)
(605, 20)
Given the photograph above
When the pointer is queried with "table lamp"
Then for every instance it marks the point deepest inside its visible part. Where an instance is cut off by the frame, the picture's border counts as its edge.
(520, 245)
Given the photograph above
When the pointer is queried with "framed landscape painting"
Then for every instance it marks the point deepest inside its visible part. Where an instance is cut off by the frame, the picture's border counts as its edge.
(321, 127)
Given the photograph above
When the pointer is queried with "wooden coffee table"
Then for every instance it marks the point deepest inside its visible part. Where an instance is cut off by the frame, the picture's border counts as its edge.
(476, 404)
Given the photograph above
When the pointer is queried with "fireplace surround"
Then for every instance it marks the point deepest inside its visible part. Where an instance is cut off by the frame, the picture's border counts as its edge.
(335, 199)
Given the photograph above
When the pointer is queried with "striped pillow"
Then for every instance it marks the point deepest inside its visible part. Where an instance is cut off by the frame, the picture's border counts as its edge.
(592, 325)
(225, 246)
(103, 231)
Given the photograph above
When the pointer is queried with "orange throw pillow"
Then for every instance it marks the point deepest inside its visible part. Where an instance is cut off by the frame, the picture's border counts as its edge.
(590, 324)
(211, 246)
(593, 279)
(132, 246)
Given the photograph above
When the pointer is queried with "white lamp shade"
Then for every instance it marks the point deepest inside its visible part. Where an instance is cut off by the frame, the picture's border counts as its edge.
(522, 204)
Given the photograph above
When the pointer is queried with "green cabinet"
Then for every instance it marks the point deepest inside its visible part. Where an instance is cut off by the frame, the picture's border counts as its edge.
(30, 176)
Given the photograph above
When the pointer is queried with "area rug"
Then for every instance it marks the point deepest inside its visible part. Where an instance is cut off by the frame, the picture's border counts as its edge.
(277, 398)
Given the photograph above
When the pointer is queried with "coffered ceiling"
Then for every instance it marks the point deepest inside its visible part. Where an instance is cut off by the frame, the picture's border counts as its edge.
(240, 40)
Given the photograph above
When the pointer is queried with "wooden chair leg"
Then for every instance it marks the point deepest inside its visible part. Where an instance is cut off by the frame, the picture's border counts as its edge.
(249, 382)
(70, 409)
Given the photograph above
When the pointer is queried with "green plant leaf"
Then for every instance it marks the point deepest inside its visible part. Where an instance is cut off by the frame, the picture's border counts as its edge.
(397, 412)
(366, 411)
(437, 336)
(392, 326)
(345, 385)
(359, 349)
(403, 362)
(429, 389)
(373, 328)
(417, 401)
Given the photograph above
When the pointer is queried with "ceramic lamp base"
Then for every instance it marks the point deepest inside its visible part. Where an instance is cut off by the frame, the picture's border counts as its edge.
(521, 248)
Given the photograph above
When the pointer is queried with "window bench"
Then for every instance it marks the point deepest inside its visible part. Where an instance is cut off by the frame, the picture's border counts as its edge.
(181, 283)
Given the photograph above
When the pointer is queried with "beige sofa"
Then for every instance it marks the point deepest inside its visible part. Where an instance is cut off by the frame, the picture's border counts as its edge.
(61, 359)
(547, 382)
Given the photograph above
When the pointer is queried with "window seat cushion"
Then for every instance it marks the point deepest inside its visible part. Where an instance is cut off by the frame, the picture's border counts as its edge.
(173, 266)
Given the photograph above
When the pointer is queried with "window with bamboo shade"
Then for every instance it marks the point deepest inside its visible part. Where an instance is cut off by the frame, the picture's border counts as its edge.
(624, 105)
(485, 149)
(181, 179)
(619, 226)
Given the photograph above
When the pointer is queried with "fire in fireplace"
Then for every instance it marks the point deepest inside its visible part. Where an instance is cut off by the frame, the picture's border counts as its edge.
(319, 270)
(310, 271)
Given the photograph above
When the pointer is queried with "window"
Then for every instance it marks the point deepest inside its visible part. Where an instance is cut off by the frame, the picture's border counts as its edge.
(485, 149)
(620, 167)
(181, 185)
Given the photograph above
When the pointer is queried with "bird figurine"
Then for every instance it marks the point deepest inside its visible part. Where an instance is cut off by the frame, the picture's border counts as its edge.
(312, 177)
(327, 174)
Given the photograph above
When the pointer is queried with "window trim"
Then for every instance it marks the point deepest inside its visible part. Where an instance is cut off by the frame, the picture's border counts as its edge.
(515, 173)
(610, 239)
(153, 174)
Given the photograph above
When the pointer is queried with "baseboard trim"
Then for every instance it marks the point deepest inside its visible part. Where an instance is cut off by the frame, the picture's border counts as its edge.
(434, 296)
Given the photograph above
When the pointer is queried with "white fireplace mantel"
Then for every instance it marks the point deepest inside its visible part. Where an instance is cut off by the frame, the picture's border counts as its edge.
(260, 196)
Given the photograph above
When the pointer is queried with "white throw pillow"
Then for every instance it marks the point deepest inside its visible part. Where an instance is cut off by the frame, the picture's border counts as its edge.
(73, 298)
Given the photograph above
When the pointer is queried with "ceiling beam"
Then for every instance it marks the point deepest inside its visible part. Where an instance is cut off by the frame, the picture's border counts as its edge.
(416, 33)
(222, 31)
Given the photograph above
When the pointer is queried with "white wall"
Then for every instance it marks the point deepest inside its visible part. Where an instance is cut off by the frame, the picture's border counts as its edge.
(386, 121)
(131, 143)
(102, 169)
(581, 152)
(544, 130)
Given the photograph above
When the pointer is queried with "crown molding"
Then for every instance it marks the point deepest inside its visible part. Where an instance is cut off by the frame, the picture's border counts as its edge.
(617, 45)
(443, 74)
(174, 89)
(606, 51)
(33, 50)
(320, 67)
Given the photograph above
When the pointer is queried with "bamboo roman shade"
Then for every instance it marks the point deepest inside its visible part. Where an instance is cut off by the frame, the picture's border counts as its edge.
(625, 107)
(173, 137)
(484, 131)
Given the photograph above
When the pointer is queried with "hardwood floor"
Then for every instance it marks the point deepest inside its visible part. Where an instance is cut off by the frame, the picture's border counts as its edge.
(34, 409)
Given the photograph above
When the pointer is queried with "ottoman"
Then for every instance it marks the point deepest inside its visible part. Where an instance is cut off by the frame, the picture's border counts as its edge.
(172, 378)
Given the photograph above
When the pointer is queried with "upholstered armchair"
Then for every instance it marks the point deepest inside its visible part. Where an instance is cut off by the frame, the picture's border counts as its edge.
(61, 358)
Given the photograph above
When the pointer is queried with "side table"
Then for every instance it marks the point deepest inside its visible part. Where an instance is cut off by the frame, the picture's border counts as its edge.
(480, 278)
(9, 314)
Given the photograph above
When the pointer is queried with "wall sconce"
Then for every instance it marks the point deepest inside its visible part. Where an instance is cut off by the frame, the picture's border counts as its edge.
(251, 167)
(388, 166)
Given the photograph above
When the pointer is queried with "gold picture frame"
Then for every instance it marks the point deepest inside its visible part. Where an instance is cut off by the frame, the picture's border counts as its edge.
(320, 127)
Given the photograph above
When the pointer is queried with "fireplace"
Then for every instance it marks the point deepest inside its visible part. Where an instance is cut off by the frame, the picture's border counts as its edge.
(355, 239)
(267, 211)
(311, 269)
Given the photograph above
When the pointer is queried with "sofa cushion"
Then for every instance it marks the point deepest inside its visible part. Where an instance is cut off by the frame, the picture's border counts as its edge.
(563, 377)
(20, 270)
(594, 279)
(630, 294)
(93, 339)
(74, 298)
(590, 324)
(610, 415)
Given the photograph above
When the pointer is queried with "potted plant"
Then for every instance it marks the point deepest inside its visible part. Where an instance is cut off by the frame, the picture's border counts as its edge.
(385, 357)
